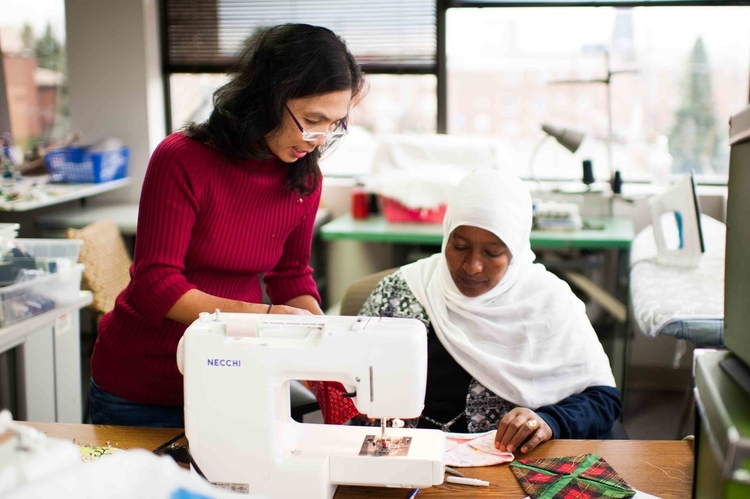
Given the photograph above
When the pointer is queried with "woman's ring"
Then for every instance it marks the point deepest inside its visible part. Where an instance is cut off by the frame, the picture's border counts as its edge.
(532, 424)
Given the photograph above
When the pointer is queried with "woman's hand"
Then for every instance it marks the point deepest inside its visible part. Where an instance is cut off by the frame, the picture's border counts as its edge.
(285, 309)
(522, 428)
(306, 302)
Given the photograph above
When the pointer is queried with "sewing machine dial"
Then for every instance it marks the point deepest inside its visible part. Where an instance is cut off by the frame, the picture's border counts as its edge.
(375, 446)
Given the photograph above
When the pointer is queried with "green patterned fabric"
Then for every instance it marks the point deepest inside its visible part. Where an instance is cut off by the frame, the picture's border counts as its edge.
(570, 477)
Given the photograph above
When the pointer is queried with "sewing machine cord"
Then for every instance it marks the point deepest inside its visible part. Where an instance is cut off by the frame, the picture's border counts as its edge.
(194, 464)
(169, 442)
(163, 447)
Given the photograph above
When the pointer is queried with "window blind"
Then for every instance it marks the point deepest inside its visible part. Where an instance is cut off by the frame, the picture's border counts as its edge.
(385, 36)
(590, 3)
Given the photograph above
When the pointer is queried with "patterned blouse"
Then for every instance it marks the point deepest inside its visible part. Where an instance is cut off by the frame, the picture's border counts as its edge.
(452, 393)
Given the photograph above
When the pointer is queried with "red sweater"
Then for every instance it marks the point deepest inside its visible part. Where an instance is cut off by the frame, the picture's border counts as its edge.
(205, 224)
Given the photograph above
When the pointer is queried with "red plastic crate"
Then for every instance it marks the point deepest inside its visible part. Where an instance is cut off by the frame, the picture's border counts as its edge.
(393, 211)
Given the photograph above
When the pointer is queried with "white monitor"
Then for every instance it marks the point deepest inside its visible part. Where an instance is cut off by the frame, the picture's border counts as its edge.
(737, 263)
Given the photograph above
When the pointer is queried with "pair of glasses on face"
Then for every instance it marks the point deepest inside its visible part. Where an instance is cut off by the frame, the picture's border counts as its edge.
(339, 131)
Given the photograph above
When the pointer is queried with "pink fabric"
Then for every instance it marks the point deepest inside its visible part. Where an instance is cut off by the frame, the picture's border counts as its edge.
(205, 224)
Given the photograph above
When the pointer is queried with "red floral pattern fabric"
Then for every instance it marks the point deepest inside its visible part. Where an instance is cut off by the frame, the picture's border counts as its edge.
(336, 408)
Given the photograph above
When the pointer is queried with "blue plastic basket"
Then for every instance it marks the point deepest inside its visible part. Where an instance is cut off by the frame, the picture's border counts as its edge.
(76, 165)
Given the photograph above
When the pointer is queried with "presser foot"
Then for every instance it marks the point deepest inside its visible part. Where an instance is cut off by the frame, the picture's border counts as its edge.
(375, 446)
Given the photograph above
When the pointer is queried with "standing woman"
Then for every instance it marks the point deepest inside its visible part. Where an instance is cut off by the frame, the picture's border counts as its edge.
(224, 202)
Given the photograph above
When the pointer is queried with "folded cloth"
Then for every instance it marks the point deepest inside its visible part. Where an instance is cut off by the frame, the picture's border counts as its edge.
(473, 449)
(586, 475)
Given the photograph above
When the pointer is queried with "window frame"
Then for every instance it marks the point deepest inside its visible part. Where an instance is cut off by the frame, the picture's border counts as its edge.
(436, 68)
(439, 68)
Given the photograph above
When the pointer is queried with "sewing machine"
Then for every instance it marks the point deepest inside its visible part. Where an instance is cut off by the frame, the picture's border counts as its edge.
(237, 369)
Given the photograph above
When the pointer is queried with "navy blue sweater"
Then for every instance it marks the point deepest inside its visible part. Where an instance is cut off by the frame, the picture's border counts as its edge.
(586, 415)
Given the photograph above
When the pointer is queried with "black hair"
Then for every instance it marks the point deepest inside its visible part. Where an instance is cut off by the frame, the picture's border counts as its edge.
(279, 63)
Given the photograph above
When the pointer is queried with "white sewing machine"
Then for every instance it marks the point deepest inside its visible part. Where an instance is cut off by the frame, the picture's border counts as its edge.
(237, 369)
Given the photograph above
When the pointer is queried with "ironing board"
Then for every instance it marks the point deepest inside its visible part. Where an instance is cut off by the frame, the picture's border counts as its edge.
(686, 303)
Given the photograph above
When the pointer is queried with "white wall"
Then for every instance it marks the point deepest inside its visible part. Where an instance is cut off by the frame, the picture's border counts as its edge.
(114, 79)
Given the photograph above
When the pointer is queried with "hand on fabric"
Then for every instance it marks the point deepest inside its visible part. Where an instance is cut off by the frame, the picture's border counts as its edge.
(473, 449)
(521, 428)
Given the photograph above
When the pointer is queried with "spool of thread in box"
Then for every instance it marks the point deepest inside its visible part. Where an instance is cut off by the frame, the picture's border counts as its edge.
(360, 203)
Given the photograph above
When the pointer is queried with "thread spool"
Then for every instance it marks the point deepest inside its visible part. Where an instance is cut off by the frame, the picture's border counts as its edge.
(360, 203)
(588, 172)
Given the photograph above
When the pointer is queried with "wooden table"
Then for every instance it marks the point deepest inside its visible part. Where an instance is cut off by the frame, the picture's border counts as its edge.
(662, 468)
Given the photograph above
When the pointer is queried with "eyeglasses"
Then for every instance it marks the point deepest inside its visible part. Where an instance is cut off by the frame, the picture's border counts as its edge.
(339, 131)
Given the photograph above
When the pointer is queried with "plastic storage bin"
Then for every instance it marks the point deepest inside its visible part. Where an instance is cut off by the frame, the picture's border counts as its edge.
(57, 285)
(27, 299)
(8, 233)
(52, 249)
(76, 165)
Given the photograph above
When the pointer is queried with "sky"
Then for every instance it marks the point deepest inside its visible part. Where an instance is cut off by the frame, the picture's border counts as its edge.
(37, 13)
(465, 29)
(562, 31)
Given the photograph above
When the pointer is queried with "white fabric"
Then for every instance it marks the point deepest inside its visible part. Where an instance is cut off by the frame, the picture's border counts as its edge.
(131, 474)
(528, 339)
(420, 171)
(473, 449)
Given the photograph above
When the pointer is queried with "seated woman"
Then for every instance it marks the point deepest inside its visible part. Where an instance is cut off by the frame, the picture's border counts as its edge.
(509, 344)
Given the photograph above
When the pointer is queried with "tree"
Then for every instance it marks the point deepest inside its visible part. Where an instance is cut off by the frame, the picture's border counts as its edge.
(694, 140)
(49, 51)
(27, 37)
(50, 54)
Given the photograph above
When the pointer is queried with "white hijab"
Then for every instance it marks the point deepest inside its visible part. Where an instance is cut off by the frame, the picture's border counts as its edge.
(527, 339)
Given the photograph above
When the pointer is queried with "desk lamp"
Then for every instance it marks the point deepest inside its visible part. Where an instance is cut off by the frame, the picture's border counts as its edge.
(566, 137)
(569, 139)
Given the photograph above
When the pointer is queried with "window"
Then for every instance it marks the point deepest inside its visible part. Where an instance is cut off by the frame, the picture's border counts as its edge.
(675, 70)
(395, 41)
(34, 106)
(393, 104)
(672, 89)
(191, 96)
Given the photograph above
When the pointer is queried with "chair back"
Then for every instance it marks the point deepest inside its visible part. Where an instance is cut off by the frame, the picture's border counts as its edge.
(106, 262)
(358, 292)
